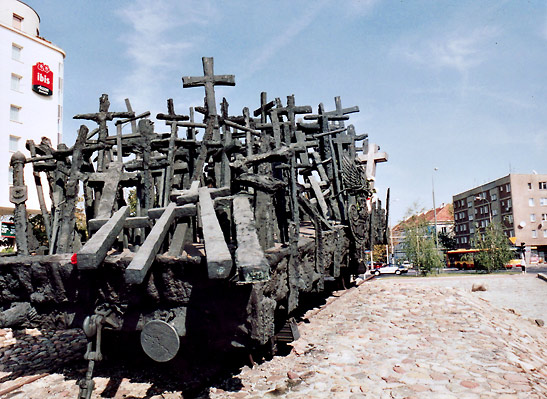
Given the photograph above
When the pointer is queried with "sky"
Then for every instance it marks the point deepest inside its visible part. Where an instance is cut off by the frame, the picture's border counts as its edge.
(460, 85)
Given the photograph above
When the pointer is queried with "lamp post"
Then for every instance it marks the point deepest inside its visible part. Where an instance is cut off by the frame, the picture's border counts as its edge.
(434, 206)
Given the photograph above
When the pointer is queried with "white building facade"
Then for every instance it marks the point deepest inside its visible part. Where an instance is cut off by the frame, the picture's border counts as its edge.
(31, 93)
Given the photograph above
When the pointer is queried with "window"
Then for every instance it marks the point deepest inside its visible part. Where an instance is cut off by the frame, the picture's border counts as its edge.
(544, 217)
(532, 217)
(534, 234)
(508, 187)
(509, 203)
(10, 176)
(472, 230)
(469, 203)
(464, 240)
(494, 212)
(17, 22)
(494, 197)
(14, 113)
(543, 185)
(16, 52)
(529, 186)
(470, 217)
(13, 143)
(530, 201)
(544, 233)
(543, 201)
(15, 82)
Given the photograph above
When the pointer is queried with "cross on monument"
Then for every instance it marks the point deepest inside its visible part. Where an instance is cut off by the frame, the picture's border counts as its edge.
(371, 158)
(209, 80)
(171, 118)
(101, 118)
(339, 111)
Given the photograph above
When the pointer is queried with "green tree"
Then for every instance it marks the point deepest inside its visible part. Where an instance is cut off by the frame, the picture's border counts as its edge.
(494, 247)
(419, 243)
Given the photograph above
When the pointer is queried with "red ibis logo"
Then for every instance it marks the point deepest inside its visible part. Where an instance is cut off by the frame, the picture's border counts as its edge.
(42, 79)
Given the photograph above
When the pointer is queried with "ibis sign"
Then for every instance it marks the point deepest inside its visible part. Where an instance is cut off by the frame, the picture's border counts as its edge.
(42, 79)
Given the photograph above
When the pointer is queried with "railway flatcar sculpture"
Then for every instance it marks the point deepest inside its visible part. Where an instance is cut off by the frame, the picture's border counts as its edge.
(210, 231)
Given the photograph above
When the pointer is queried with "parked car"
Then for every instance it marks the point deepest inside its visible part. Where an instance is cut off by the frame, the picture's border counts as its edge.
(407, 264)
(390, 269)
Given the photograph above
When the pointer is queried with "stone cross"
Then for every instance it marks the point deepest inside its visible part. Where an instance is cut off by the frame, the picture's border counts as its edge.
(371, 158)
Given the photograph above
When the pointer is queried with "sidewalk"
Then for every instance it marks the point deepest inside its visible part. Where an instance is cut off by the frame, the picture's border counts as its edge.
(397, 338)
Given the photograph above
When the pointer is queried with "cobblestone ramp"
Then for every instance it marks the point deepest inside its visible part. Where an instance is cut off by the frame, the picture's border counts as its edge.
(391, 339)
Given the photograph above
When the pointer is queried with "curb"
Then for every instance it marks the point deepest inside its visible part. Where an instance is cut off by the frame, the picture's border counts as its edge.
(542, 276)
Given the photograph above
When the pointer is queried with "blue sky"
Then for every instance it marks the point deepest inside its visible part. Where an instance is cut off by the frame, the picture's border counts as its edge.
(457, 85)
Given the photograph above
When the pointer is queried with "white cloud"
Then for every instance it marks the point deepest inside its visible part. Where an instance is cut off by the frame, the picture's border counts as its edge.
(160, 33)
(457, 50)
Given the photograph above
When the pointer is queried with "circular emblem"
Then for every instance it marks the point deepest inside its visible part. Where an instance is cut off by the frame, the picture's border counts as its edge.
(160, 340)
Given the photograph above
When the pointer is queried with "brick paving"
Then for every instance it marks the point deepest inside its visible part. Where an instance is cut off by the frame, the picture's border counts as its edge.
(388, 338)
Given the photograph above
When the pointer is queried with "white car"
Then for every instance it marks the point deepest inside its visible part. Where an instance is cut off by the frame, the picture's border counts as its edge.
(390, 269)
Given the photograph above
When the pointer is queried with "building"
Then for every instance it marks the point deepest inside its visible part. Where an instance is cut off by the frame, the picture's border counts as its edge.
(517, 201)
(445, 225)
(31, 92)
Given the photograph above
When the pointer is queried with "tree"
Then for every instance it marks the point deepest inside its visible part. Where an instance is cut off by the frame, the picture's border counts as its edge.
(494, 247)
(447, 241)
(419, 243)
(379, 253)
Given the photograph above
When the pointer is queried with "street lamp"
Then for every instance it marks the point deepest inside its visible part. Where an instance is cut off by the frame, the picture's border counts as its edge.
(434, 207)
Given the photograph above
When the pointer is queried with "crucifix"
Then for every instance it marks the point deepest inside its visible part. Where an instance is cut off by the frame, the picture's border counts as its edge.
(209, 80)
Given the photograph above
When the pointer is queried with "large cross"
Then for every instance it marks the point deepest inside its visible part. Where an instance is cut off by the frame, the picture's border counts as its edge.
(371, 158)
(209, 80)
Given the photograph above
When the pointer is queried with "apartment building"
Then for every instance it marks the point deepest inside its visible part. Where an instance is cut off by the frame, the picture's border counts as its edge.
(31, 92)
(517, 201)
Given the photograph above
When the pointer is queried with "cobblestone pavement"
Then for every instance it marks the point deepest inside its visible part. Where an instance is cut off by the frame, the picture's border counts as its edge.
(387, 338)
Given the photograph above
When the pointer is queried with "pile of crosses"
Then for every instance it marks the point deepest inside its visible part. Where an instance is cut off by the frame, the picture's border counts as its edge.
(254, 177)
(214, 228)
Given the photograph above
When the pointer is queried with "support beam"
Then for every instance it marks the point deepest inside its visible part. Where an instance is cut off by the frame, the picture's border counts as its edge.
(252, 265)
(219, 259)
(141, 263)
(94, 251)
